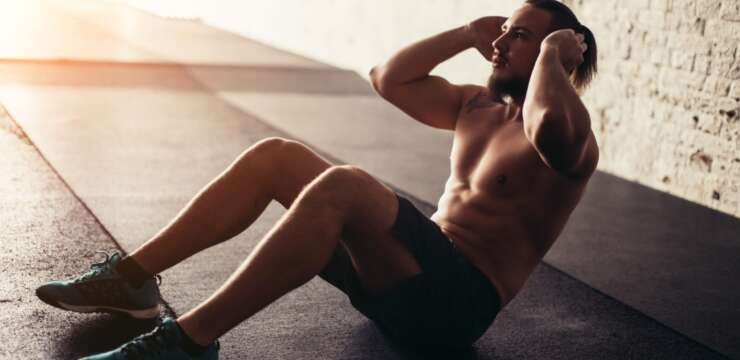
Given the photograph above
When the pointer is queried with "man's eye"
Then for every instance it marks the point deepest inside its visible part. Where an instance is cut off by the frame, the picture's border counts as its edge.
(518, 35)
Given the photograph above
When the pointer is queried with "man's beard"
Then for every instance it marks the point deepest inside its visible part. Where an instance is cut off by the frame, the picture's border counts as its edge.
(499, 88)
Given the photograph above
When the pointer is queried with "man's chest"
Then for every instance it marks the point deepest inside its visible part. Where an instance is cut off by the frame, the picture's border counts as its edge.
(494, 157)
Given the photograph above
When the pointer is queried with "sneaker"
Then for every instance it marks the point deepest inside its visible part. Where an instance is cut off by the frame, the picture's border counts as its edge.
(103, 289)
(164, 342)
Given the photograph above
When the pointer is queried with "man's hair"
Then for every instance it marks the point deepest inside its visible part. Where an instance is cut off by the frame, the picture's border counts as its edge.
(563, 18)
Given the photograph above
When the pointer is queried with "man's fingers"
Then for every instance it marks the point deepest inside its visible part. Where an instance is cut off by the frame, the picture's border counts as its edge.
(581, 42)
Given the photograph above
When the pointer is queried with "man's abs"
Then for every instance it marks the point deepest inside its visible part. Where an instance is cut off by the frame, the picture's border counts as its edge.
(497, 245)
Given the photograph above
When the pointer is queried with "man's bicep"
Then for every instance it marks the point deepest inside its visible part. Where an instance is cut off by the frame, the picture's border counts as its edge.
(574, 158)
(432, 101)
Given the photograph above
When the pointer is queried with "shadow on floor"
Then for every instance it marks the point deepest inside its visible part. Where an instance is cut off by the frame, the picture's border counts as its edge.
(98, 334)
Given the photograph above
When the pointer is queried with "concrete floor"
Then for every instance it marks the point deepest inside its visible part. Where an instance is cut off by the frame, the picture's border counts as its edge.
(113, 141)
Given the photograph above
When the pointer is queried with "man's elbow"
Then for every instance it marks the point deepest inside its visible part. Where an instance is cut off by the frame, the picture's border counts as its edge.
(376, 79)
(559, 144)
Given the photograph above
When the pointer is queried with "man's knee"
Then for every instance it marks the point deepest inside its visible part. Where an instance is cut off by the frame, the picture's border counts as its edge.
(277, 150)
(344, 172)
(257, 155)
(282, 165)
(265, 148)
(352, 190)
(342, 179)
(271, 152)
(338, 184)
(257, 162)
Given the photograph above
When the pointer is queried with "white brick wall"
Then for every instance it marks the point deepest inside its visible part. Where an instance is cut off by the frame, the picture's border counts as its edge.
(666, 103)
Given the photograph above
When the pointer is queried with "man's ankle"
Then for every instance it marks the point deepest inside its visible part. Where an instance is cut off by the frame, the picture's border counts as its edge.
(188, 344)
(134, 274)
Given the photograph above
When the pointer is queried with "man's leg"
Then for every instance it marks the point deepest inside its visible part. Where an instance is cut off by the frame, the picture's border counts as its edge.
(342, 200)
(273, 168)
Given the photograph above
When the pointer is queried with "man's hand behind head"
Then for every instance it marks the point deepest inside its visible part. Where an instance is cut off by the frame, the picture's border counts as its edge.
(484, 31)
(570, 46)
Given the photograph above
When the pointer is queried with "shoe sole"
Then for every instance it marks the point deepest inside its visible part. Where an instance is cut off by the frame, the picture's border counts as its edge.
(148, 313)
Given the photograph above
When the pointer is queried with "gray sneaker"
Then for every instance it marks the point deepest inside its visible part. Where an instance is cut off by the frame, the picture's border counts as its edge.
(164, 342)
(103, 289)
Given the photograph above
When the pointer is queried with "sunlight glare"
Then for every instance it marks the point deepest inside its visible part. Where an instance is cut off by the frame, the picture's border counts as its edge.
(14, 16)
(180, 9)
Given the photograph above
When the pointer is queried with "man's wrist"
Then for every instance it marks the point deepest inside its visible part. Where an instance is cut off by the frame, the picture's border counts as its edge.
(548, 48)
(469, 35)
(550, 55)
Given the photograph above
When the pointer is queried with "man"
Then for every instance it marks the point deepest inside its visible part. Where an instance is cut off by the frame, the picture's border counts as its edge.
(522, 155)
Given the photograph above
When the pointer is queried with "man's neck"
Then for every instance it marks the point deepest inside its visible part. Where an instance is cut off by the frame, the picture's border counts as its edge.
(513, 108)
(509, 99)
(514, 113)
(513, 105)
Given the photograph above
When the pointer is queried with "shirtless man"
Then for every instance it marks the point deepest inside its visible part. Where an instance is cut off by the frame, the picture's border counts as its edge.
(523, 152)
(523, 149)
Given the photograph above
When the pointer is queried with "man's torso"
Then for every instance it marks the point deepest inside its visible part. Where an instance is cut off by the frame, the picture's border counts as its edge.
(503, 207)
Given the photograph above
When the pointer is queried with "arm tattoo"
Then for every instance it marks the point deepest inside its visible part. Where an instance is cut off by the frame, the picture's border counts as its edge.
(478, 101)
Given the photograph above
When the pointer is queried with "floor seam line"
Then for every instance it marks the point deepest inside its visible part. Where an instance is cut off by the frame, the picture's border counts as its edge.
(168, 308)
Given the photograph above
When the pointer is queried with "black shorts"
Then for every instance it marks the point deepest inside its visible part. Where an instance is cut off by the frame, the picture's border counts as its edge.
(450, 303)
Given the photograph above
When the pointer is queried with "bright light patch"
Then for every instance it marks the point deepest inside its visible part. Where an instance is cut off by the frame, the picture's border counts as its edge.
(14, 15)
(18, 95)
(180, 9)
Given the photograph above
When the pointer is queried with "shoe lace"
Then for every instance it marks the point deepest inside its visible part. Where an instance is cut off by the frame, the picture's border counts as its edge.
(96, 268)
(150, 343)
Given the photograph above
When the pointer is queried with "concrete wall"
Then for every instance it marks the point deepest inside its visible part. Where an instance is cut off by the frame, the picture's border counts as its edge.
(664, 106)
(357, 34)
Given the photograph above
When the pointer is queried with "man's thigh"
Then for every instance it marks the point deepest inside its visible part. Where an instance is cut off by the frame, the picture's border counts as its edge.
(379, 259)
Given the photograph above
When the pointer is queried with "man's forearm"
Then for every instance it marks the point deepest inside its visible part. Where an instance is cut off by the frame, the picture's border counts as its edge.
(416, 61)
(552, 98)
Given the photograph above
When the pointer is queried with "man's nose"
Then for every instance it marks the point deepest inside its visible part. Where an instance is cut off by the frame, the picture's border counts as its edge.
(499, 45)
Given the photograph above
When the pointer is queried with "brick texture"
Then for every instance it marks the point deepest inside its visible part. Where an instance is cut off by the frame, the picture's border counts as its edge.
(665, 106)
